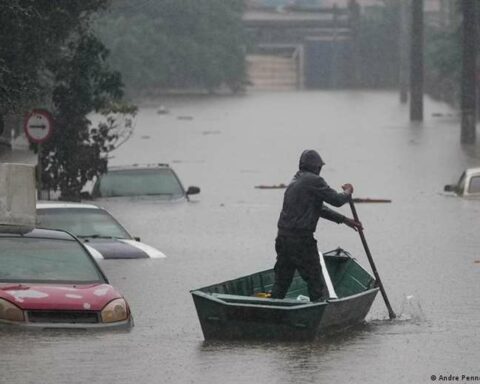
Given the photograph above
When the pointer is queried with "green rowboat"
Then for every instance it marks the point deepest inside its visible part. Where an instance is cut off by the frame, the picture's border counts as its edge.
(233, 310)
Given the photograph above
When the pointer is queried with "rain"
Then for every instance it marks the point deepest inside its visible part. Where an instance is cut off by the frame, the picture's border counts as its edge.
(229, 94)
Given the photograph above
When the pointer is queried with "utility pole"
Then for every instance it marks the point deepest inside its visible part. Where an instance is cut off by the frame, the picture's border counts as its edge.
(403, 47)
(2, 125)
(469, 94)
(354, 23)
(334, 45)
(416, 62)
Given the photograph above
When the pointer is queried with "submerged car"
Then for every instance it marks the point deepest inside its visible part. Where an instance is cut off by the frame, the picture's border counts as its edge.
(468, 185)
(48, 279)
(157, 180)
(104, 237)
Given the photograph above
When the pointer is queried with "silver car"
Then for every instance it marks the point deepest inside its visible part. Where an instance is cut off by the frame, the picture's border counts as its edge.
(104, 236)
(154, 180)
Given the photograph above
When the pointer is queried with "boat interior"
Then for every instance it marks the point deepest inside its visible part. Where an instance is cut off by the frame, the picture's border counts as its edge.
(347, 276)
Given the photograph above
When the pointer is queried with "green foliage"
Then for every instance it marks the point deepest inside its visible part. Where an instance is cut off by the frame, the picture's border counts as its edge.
(176, 43)
(83, 83)
(443, 57)
(31, 32)
(378, 45)
(443, 63)
(49, 57)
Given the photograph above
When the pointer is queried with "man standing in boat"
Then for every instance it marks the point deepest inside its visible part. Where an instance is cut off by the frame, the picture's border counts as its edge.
(302, 207)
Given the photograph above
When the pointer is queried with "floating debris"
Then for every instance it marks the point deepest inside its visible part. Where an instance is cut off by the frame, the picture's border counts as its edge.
(355, 199)
(211, 132)
(369, 200)
(188, 161)
(279, 186)
(162, 110)
(184, 117)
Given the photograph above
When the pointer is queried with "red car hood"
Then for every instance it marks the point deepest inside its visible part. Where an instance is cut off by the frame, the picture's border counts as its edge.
(76, 297)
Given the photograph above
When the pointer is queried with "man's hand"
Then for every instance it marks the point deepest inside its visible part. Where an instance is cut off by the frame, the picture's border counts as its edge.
(348, 188)
(355, 225)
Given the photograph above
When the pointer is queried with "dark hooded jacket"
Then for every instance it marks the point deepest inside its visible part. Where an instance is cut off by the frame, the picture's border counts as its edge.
(304, 198)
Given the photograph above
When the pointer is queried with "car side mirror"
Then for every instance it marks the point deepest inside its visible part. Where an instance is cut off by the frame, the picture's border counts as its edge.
(450, 188)
(136, 238)
(193, 191)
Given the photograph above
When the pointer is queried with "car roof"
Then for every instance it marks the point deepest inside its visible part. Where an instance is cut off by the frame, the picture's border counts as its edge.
(61, 204)
(138, 166)
(472, 171)
(25, 232)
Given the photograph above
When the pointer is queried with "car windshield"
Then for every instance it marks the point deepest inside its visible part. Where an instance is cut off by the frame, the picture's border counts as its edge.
(45, 261)
(82, 222)
(138, 182)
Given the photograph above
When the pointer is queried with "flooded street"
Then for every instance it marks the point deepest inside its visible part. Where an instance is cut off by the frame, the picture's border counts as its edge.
(425, 244)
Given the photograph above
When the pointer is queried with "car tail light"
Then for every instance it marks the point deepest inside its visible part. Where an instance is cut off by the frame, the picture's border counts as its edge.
(10, 312)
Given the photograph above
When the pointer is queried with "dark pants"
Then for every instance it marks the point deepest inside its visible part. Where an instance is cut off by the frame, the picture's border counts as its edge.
(297, 253)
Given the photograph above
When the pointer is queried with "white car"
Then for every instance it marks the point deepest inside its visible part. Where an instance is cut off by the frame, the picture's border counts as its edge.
(104, 237)
(468, 185)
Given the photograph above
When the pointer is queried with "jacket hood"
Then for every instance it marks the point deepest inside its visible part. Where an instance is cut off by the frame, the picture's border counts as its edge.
(311, 161)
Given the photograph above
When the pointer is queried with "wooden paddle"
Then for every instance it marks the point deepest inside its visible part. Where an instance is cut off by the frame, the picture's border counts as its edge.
(372, 264)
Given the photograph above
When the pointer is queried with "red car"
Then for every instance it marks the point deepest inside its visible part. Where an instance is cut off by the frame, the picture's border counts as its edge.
(48, 279)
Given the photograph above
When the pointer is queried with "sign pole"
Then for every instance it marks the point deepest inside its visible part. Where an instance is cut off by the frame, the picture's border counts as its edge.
(39, 172)
(38, 128)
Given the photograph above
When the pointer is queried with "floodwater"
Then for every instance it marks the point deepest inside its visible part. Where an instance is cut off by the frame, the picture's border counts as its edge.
(425, 243)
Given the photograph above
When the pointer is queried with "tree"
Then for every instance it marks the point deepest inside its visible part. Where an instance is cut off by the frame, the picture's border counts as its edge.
(176, 43)
(31, 32)
(378, 45)
(50, 57)
(469, 75)
(83, 83)
(443, 61)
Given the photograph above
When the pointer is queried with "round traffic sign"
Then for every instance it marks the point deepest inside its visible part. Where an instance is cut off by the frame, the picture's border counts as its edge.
(38, 126)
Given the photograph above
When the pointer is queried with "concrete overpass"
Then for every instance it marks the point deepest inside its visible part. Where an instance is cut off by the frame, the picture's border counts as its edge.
(299, 47)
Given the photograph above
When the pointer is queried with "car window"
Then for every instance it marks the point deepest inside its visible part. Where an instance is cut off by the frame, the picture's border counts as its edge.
(82, 222)
(46, 260)
(474, 186)
(137, 182)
